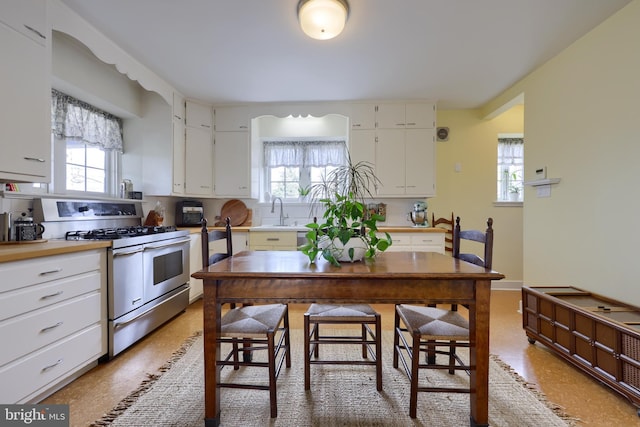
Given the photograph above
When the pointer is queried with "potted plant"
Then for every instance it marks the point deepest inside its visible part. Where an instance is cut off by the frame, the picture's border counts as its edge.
(347, 231)
(303, 192)
(514, 187)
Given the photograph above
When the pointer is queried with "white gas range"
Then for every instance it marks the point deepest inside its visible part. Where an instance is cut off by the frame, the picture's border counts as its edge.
(147, 267)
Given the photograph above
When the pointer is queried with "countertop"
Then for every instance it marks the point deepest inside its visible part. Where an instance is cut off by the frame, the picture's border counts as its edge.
(20, 251)
(387, 229)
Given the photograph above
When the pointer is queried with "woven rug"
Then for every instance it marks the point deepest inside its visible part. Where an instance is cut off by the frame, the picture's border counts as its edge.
(340, 396)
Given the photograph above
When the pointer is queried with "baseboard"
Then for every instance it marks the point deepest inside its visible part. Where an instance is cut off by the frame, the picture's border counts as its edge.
(511, 285)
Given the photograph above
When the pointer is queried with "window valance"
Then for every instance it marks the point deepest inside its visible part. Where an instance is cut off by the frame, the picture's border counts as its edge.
(77, 120)
(304, 153)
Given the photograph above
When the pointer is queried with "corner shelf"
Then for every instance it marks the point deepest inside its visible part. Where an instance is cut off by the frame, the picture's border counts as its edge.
(539, 182)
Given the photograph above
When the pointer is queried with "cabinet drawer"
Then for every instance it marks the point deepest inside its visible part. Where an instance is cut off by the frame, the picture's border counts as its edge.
(400, 239)
(18, 274)
(34, 297)
(42, 368)
(285, 240)
(427, 239)
(40, 328)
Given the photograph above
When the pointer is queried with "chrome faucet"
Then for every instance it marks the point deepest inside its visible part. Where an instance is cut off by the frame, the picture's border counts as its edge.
(273, 207)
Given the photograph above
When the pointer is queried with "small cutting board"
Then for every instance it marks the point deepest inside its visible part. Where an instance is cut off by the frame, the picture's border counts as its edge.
(236, 210)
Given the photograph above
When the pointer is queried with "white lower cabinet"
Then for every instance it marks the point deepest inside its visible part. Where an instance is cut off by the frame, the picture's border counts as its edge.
(53, 318)
(417, 242)
(239, 239)
(273, 241)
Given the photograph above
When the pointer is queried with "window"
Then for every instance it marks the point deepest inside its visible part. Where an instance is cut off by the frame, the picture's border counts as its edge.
(291, 164)
(87, 147)
(510, 168)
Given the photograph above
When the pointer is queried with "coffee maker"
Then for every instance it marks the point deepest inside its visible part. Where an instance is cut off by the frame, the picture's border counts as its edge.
(419, 215)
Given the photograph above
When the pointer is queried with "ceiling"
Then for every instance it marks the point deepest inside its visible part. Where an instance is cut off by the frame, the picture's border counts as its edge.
(460, 53)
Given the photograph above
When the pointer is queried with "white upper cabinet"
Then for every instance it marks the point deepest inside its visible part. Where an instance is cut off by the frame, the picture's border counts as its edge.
(179, 107)
(231, 119)
(28, 17)
(179, 150)
(232, 173)
(390, 116)
(420, 116)
(405, 162)
(199, 150)
(362, 116)
(25, 116)
(199, 162)
(199, 116)
(405, 116)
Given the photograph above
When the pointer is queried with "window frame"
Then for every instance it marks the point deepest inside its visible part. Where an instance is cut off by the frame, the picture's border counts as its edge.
(515, 170)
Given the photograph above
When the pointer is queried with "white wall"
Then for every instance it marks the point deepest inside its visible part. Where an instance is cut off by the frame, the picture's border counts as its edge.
(471, 192)
(581, 121)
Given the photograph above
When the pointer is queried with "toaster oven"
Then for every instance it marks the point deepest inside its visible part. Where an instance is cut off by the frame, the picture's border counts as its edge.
(189, 213)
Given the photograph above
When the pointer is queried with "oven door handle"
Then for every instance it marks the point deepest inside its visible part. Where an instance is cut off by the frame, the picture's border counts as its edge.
(125, 253)
(166, 245)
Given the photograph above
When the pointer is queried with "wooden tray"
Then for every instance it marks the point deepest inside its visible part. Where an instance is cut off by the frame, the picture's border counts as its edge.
(234, 209)
(23, 242)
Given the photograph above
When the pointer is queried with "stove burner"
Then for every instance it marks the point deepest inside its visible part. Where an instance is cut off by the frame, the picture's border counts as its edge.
(117, 233)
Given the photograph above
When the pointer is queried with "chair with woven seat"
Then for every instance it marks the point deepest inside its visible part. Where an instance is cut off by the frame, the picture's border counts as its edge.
(430, 329)
(256, 327)
(347, 314)
(447, 224)
(350, 314)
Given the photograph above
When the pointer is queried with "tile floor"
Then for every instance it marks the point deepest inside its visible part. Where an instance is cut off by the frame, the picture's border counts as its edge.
(102, 388)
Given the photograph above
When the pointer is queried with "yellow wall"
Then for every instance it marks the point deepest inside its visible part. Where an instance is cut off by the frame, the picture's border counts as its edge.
(583, 122)
(471, 192)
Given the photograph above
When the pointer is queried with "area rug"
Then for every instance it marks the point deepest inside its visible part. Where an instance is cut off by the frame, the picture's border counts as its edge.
(340, 395)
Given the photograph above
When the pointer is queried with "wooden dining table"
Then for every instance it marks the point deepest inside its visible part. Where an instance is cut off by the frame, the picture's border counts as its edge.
(390, 278)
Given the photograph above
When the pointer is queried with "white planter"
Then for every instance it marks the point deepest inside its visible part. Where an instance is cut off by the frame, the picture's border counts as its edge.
(341, 252)
(514, 197)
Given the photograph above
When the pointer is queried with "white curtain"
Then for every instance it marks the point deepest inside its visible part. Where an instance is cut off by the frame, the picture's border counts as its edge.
(304, 153)
(510, 166)
(511, 152)
(79, 121)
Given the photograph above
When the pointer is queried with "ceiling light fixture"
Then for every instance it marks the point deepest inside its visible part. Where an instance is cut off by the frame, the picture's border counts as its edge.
(322, 19)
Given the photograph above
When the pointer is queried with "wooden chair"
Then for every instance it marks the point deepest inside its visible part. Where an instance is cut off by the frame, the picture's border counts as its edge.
(485, 238)
(256, 327)
(447, 224)
(430, 329)
(349, 314)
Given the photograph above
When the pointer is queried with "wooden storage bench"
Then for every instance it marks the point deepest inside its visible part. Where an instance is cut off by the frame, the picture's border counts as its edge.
(599, 335)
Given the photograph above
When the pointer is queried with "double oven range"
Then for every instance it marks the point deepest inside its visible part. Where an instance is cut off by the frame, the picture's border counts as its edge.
(147, 267)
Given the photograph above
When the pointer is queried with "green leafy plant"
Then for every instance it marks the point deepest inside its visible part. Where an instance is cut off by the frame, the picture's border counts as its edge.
(514, 185)
(342, 193)
(304, 191)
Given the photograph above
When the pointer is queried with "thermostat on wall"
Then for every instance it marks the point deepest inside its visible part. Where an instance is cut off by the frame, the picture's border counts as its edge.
(541, 173)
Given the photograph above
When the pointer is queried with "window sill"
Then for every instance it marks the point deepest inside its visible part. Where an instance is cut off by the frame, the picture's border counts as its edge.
(507, 203)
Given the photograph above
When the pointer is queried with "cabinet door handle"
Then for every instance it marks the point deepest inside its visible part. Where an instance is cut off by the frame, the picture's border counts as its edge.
(34, 159)
(44, 273)
(411, 124)
(273, 239)
(244, 127)
(356, 125)
(52, 295)
(135, 301)
(36, 32)
(53, 365)
(399, 124)
(206, 126)
(48, 328)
